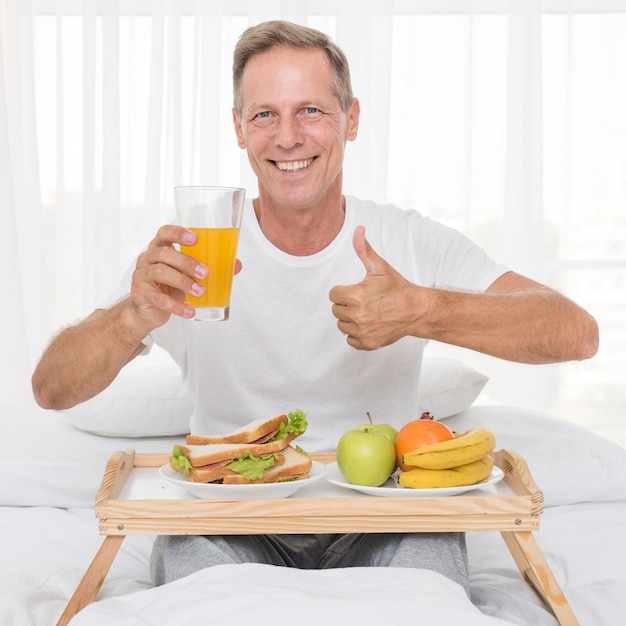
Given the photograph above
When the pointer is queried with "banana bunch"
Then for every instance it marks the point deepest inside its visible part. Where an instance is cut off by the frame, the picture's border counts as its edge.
(461, 461)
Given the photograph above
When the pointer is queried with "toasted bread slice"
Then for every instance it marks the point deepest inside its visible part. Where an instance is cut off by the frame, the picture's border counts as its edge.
(295, 467)
(256, 431)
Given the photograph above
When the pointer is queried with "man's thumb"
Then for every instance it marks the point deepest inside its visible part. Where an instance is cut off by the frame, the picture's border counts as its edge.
(373, 263)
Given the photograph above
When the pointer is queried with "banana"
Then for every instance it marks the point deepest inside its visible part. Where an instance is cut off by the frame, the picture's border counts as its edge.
(468, 447)
(469, 474)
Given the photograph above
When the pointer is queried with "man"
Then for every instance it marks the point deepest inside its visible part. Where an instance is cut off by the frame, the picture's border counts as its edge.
(286, 346)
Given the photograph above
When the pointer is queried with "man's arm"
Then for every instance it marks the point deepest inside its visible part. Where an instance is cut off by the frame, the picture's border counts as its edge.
(516, 319)
(84, 359)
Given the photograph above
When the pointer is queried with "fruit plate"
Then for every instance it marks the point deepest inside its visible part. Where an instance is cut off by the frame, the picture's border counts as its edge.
(391, 489)
(213, 491)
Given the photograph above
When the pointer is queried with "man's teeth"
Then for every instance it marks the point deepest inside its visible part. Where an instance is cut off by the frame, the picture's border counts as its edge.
(293, 166)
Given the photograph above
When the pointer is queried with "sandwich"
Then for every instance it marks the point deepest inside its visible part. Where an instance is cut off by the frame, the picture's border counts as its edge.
(246, 454)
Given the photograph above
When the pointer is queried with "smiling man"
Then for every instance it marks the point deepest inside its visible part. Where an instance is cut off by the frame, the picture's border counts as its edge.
(293, 126)
(322, 318)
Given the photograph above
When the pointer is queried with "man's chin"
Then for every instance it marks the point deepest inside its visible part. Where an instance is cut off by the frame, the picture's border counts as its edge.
(291, 195)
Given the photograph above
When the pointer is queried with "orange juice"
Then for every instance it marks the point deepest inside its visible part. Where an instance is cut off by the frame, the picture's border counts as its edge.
(217, 249)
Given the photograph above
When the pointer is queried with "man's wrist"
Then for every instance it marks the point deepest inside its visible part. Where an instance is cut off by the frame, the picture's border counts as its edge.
(130, 328)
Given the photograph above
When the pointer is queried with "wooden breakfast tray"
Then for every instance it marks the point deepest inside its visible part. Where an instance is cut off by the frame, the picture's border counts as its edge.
(513, 509)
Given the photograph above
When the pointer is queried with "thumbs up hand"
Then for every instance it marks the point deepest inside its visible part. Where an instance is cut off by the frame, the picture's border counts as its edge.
(377, 311)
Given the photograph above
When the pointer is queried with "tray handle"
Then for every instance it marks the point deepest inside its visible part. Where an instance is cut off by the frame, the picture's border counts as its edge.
(517, 475)
(117, 469)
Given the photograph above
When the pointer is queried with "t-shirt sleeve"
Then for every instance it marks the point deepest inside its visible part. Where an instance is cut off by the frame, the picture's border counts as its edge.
(448, 259)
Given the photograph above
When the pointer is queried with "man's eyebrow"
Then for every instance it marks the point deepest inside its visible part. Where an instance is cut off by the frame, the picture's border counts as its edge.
(258, 106)
(311, 102)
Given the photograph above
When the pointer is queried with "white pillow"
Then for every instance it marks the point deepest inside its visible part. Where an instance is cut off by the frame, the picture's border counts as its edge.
(569, 463)
(448, 386)
(150, 401)
(147, 401)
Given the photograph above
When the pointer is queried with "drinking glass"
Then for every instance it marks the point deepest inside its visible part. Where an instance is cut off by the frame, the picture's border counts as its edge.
(214, 214)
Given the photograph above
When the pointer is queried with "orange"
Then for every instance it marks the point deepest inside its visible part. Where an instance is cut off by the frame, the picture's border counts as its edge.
(418, 433)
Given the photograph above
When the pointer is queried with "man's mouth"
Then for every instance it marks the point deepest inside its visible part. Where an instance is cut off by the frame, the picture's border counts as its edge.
(293, 166)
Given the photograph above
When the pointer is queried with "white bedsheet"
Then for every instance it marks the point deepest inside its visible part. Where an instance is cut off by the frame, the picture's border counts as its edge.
(45, 552)
(262, 594)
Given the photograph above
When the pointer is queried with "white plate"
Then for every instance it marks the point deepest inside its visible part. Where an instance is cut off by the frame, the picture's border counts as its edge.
(212, 491)
(392, 490)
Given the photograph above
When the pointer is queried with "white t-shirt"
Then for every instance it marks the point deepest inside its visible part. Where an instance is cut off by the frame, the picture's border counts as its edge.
(281, 349)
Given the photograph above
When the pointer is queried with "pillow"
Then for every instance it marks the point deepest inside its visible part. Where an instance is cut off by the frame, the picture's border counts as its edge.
(149, 401)
(569, 463)
(448, 386)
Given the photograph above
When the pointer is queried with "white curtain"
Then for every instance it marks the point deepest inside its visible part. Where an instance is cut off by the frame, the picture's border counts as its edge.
(504, 119)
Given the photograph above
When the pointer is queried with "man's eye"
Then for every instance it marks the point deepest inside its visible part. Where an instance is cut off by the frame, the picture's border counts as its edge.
(310, 114)
(263, 115)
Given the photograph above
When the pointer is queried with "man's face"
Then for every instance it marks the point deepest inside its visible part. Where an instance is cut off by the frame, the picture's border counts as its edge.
(293, 128)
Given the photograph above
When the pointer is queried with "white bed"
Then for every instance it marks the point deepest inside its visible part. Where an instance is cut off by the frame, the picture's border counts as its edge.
(51, 470)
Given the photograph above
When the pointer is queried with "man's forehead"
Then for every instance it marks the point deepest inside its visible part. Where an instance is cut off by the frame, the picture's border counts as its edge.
(302, 74)
(286, 62)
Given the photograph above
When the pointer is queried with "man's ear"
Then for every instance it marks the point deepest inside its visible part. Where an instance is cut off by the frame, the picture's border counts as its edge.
(354, 112)
(239, 130)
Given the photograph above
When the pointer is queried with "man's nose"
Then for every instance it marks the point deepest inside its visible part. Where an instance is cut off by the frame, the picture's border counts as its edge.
(289, 133)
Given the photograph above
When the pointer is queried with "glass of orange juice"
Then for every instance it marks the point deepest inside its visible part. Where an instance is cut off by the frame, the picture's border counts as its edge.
(214, 214)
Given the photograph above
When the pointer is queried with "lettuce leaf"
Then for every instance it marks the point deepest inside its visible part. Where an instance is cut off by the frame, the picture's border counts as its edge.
(297, 424)
(179, 461)
(252, 467)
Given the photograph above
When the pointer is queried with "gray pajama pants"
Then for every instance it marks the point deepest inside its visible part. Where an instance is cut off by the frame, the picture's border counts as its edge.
(176, 556)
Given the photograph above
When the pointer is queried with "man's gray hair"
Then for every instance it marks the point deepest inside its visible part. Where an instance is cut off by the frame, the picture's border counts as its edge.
(268, 35)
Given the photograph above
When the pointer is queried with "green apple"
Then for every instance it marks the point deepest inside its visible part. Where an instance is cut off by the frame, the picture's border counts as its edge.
(386, 428)
(366, 457)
